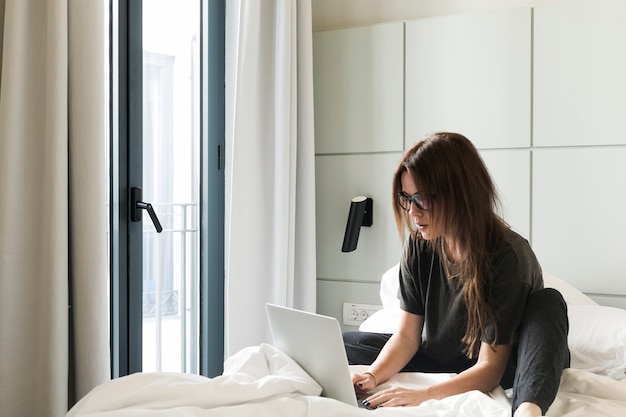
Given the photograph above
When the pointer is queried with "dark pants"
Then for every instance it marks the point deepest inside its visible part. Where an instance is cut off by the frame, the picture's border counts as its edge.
(536, 363)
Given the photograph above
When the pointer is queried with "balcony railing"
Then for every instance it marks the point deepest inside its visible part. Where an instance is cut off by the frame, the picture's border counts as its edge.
(171, 272)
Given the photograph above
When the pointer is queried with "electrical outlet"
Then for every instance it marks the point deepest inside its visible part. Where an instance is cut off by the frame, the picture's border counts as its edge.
(355, 314)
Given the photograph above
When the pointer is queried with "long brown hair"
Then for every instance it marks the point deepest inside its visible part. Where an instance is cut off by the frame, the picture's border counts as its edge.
(465, 203)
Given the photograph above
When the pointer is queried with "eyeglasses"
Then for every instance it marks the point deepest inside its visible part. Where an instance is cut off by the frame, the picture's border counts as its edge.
(420, 201)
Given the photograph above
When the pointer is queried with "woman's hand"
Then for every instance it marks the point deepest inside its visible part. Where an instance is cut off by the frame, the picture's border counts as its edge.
(396, 397)
(364, 382)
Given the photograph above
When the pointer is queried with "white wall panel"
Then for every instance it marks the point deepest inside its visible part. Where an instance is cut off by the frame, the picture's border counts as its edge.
(473, 74)
(579, 67)
(470, 74)
(578, 216)
(359, 89)
(338, 180)
(510, 170)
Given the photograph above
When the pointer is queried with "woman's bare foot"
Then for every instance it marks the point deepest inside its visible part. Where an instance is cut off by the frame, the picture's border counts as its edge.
(528, 410)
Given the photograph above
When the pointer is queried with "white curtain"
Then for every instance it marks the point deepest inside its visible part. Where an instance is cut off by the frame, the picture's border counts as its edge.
(270, 209)
(53, 277)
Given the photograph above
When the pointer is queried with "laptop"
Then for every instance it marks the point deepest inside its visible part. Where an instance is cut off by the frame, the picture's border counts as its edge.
(315, 342)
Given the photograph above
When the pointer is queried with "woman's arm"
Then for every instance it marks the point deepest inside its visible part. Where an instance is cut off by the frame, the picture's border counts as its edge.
(484, 376)
(396, 353)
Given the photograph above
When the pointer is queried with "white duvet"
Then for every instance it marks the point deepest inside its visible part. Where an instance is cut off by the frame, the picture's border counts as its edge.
(263, 381)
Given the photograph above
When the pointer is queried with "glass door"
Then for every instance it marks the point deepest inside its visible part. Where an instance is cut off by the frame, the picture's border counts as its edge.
(167, 193)
(171, 171)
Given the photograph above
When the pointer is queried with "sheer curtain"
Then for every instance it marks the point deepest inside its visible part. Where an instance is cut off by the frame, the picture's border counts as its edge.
(53, 277)
(270, 213)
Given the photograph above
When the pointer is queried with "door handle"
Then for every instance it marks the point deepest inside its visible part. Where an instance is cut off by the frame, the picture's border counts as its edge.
(136, 205)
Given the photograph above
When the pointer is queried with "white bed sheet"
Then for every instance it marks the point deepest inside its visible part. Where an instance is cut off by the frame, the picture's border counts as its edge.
(262, 381)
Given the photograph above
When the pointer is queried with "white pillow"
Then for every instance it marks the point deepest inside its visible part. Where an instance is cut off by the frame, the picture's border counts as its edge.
(389, 286)
(597, 339)
(382, 321)
(597, 334)
(386, 320)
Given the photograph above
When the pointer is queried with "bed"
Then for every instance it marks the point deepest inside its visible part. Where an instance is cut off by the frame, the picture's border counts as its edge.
(263, 381)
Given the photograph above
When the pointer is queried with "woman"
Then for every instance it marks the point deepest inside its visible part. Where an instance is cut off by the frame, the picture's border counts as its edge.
(471, 291)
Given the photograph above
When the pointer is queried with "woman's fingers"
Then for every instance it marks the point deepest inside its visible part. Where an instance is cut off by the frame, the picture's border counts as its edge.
(363, 382)
(395, 397)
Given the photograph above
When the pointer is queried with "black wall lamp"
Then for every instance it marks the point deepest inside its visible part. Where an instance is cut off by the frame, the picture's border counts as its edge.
(361, 214)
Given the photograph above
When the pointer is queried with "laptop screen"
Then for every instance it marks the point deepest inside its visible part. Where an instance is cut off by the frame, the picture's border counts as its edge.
(315, 343)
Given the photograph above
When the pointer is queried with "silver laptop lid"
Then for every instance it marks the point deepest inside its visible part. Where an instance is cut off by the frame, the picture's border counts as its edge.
(316, 344)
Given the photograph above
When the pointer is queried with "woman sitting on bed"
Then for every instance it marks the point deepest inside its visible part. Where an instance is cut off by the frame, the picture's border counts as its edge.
(471, 291)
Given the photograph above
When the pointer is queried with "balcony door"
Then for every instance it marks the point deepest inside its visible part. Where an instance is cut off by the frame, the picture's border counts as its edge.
(167, 186)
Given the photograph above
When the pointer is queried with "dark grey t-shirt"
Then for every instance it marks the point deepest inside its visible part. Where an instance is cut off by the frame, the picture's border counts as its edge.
(426, 290)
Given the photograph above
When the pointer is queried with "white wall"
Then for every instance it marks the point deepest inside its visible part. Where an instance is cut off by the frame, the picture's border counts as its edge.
(552, 138)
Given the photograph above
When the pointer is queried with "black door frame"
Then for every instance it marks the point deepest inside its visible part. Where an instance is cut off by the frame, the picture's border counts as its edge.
(212, 187)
